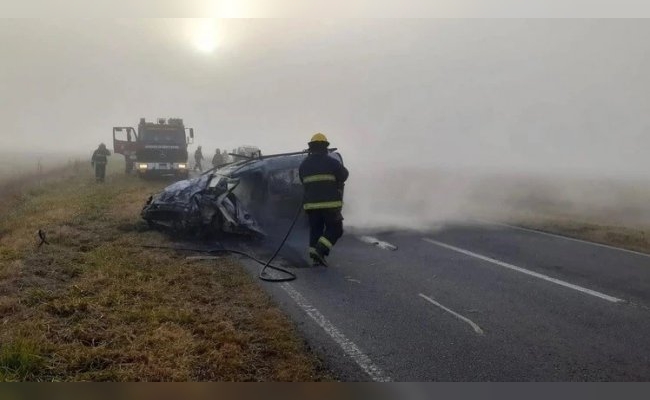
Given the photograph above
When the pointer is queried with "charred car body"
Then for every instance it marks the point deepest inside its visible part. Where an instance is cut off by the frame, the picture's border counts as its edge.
(248, 197)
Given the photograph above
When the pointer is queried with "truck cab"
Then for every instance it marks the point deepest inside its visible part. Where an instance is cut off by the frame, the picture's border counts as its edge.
(156, 149)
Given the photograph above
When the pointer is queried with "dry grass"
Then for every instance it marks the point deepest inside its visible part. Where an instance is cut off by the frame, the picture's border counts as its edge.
(20, 164)
(607, 211)
(631, 238)
(94, 305)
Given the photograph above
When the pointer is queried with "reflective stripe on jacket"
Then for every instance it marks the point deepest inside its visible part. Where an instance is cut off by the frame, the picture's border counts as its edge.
(322, 177)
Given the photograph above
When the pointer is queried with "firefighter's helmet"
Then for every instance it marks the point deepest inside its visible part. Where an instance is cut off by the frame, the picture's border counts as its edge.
(319, 138)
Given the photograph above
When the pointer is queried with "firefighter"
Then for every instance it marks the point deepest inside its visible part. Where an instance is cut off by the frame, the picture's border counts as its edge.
(217, 159)
(198, 157)
(323, 178)
(99, 161)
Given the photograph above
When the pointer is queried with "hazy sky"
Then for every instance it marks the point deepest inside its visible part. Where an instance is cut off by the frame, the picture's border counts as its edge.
(327, 8)
(536, 94)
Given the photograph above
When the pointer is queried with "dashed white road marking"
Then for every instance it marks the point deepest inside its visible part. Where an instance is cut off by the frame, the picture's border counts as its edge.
(379, 243)
(351, 349)
(471, 323)
(527, 272)
(606, 246)
(202, 258)
(352, 280)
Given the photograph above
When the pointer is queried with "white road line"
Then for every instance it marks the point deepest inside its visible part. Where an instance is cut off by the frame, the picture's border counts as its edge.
(528, 272)
(606, 246)
(351, 349)
(376, 242)
(202, 258)
(474, 326)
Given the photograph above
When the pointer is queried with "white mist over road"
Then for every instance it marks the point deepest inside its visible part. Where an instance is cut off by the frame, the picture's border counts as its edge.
(421, 109)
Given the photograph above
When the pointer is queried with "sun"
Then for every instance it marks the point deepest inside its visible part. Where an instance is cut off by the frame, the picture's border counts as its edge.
(205, 37)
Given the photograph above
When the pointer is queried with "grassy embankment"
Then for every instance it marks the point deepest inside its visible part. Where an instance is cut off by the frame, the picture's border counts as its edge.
(615, 213)
(94, 305)
(631, 238)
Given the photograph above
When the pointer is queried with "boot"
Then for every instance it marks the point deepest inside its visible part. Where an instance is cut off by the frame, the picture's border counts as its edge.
(317, 258)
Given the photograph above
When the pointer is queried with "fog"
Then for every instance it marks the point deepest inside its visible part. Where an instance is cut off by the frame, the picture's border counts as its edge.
(421, 109)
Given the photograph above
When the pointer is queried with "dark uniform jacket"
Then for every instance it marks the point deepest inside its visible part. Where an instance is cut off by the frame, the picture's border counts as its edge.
(99, 156)
(322, 177)
(217, 160)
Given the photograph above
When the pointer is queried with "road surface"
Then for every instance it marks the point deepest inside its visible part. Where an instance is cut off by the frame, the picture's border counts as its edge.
(474, 303)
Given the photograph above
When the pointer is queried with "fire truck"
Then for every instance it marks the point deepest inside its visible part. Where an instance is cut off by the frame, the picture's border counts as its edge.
(156, 149)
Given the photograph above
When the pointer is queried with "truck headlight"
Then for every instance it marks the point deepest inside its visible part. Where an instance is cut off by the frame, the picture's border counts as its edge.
(142, 166)
(182, 166)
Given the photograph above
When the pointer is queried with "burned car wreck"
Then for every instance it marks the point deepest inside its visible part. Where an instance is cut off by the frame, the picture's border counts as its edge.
(250, 197)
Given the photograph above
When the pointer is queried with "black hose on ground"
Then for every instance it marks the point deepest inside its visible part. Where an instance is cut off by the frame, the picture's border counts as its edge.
(268, 263)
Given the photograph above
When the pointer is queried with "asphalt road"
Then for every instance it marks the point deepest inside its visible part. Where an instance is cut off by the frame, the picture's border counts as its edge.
(473, 303)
